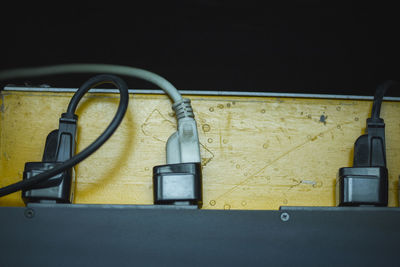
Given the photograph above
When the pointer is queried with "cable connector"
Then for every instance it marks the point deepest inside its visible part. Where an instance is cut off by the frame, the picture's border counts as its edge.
(369, 149)
(183, 146)
(60, 146)
(366, 183)
(179, 182)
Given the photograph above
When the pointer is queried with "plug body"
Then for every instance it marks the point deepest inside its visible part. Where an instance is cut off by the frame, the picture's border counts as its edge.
(180, 181)
(362, 186)
(58, 188)
(60, 146)
(178, 184)
(366, 183)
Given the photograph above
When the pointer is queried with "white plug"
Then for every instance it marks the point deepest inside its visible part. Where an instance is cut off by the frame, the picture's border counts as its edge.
(183, 146)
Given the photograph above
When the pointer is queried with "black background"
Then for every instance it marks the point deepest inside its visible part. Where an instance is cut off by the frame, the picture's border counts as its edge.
(271, 46)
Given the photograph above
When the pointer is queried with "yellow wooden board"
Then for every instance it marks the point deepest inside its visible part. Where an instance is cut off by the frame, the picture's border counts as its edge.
(257, 152)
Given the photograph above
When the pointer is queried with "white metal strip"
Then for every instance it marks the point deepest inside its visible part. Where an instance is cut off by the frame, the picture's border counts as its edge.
(194, 92)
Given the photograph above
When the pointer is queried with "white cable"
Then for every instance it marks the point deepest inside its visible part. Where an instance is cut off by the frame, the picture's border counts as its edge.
(183, 146)
(165, 85)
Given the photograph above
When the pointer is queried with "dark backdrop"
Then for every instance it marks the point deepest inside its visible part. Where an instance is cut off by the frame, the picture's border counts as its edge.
(281, 46)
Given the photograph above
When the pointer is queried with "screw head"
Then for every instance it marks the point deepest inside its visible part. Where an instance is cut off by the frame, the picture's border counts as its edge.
(285, 217)
(29, 213)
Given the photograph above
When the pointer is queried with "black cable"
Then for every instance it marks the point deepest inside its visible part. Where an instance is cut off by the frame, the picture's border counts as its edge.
(91, 83)
(122, 107)
(378, 98)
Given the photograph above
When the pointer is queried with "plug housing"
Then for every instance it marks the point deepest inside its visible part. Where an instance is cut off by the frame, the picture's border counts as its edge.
(178, 184)
(362, 186)
(60, 146)
(180, 181)
(366, 183)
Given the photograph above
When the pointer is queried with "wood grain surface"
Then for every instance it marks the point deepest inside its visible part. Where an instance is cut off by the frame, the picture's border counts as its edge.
(257, 152)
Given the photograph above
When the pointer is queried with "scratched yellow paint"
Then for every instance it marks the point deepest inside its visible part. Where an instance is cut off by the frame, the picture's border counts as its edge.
(257, 152)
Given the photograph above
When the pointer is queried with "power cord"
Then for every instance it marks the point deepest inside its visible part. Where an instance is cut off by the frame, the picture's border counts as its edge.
(182, 147)
(122, 107)
(182, 151)
(94, 68)
(378, 98)
(366, 183)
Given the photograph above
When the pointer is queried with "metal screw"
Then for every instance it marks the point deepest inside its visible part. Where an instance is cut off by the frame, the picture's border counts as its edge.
(285, 217)
(29, 213)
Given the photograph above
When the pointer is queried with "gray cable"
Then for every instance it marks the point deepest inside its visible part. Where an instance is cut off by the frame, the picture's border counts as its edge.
(95, 68)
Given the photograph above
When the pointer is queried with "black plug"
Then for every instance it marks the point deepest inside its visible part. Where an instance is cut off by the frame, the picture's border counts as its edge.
(60, 146)
(178, 184)
(180, 181)
(366, 183)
